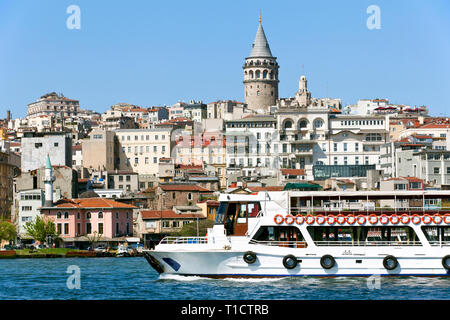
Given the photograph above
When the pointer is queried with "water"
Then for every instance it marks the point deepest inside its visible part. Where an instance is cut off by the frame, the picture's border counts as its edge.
(133, 278)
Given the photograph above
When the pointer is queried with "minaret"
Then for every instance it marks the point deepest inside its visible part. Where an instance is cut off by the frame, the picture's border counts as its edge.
(48, 181)
(260, 74)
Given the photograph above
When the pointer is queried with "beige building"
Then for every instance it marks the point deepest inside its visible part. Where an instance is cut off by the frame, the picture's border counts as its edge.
(140, 149)
(54, 105)
(98, 150)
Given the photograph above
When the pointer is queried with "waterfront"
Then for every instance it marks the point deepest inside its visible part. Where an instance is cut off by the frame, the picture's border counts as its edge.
(133, 278)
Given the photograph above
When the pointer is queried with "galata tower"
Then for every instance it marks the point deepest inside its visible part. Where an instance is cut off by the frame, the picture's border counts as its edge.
(260, 74)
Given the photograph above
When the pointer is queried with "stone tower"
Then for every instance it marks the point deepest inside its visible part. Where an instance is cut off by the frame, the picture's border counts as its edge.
(260, 74)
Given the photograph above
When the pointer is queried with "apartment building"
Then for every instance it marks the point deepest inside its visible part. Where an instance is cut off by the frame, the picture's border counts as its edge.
(140, 149)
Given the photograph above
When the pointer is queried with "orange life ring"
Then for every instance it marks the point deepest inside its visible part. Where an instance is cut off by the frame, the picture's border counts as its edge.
(384, 218)
(340, 219)
(350, 216)
(415, 218)
(404, 218)
(437, 218)
(277, 220)
(425, 218)
(394, 219)
(309, 219)
(447, 218)
(320, 218)
(373, 218)
(291, 219)
(332, 218)
(358, 219)
(302, 219)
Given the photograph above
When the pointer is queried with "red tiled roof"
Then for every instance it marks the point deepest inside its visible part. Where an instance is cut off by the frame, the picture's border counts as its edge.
(92, 203)
(76, 147)
(167, 214)
(293, 172)
(183, 187)
(271, 188)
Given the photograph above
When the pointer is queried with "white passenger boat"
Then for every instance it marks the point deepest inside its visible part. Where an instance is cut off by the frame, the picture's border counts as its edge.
(317, 233)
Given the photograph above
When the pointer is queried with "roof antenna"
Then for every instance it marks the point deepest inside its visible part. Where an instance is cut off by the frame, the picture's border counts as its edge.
(259, 15)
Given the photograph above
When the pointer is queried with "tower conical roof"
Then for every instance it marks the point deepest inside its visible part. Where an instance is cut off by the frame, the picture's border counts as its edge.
(260, 47)
(48, 165)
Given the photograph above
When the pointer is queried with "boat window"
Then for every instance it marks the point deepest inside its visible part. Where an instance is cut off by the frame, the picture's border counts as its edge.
(437, 234)
(335, 235)
(280, 236)
(221, 212)
(253, 209)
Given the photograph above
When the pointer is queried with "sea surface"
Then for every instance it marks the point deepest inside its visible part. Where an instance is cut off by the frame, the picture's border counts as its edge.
(133, 278)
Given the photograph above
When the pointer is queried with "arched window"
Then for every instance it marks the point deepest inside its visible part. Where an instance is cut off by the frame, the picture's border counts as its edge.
(100, 215)
(251, 74)
(271, 74)
(66, 215)
(58, 215)
(318, 123)
(303, 123)
(265, 74)
(88, 215)
(287, 124)
(257, 74)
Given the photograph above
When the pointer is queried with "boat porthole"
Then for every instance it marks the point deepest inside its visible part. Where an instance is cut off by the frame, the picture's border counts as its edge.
(290, 261)
(390, 262)
(250, 257)
(327, 261)
(446, 262)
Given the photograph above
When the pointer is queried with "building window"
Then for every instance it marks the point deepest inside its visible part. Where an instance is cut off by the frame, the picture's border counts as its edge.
(88, 215)
(189, 196)
(66, 228)
(345, 146)
(335, 148)
(100, 215)
(66, 215)
(88, 228)
(436, 170)
(58, 228)
(100, 228)
(58, 215)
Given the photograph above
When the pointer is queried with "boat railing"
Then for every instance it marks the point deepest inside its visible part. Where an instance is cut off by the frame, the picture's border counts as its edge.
(440, 243)
(362, 210)
(288, 244)
(366, 243)
(184, 240)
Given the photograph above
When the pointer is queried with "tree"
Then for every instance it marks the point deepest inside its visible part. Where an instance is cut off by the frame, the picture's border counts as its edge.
(190, 229)
(95, 237)
(7, 231)
(41, 228)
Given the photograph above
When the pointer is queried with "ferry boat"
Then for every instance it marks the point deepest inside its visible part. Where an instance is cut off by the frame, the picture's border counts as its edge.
(317, 233)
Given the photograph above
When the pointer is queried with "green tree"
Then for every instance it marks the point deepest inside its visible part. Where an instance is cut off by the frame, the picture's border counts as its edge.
(190, 229)
(7, 231)
(41, 228)
(93, 238)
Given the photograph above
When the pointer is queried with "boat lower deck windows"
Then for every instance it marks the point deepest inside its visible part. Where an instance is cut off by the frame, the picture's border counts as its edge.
(437, 235)
(282, 236)
(363, 236)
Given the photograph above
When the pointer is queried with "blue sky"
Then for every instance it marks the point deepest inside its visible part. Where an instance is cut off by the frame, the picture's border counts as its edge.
(159, 52)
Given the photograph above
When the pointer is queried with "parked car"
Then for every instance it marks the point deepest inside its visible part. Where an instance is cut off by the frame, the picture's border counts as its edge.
(100, 249)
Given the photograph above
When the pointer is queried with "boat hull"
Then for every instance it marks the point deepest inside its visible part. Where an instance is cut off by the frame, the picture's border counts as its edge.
(225, 264)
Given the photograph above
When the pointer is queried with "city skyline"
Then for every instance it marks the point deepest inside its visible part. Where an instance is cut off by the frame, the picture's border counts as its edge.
(133, 53)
